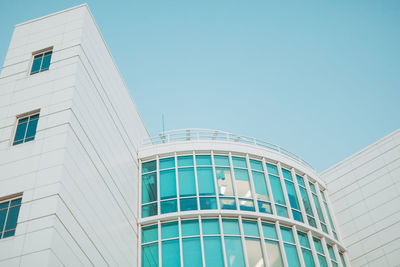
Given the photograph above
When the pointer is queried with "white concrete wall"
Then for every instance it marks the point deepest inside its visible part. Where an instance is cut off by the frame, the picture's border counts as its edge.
(79, 176)
(365, 193)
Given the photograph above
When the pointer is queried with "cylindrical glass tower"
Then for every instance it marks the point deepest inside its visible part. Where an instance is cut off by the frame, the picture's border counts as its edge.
(211, 198)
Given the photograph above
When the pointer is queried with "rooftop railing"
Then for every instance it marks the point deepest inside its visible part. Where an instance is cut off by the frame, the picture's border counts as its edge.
(217, 135)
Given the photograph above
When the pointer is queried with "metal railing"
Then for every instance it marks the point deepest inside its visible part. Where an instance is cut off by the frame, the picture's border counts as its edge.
(217, 135)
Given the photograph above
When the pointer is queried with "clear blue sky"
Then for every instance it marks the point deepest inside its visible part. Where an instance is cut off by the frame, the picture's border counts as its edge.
(319, 78)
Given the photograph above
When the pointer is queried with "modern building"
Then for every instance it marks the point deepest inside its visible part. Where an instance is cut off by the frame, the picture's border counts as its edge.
(83, 184)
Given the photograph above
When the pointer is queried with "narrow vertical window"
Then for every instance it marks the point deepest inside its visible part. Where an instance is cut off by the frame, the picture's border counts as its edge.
(306, 201)
(26, 128)
(291, 191)
(277, 191)
(306, 249)
(41, 61)
(9, 211)
(290, 247)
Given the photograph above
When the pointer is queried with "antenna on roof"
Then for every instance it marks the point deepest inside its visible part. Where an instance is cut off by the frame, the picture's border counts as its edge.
(163, 124)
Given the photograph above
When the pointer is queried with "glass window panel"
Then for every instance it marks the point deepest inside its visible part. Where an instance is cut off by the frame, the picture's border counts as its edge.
(20, 133)
(4, 205)
(188, 204)
(149, 166)
(224, 179)
(329, 216)
(203, 160)
(250, 228)
(274, 253)
(171, 253)
(213, 251)
(231, 227)
(227, 203)
(205, 179)
(37, 61)
(191, 248)
(149, 187)
(169, 230)
(300, 180)
(3, 214)
(322, 261)
(9, 233)
(149, 210)
(247, 205)
(46, 62)
(221, 160)
(254, 252)
(234, 251)
(318, 245)
(260, 185)
(239, 162)
(269, 231)
(15, 202)
(272, 169)
(150, 255)
(324, 228)
(331, 252)
(287, 234)
(281, 210)
(12, 218)
(277, 191)
(264, 207)
(149, 233)
(169, 206)
(306, 201)
(208, 203)
(23, 120)
(256, 165)
(342, 260)
(292, 195)
(187, 184)
(167, 184)
(167, 163)
(312, 187)
(303, 238)
(297, 215)
(184, 161)
(319, 210)
(292, 256)
(210, 227)
(242, 183)
(31, 131)
(308, 258)
(190, 228)
(287, 174)
(311, 221)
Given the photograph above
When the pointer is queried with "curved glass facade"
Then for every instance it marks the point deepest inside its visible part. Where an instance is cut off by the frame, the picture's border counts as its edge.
(227, 209)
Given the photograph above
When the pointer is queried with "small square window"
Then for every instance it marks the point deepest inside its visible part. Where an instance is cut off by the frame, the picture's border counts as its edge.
(26, 128)
(9, 211)
(41, 61)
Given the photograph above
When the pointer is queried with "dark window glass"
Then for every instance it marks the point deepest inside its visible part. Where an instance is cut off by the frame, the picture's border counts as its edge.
(9, 211)
(41, 62)
(26, 129)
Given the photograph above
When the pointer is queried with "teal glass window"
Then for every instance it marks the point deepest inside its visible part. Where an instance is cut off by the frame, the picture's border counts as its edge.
(264, 207)
(234, 251)
(332, 256)
(247, 205)
(224, 179)
(169, 206)
(260, 185)
(300, 180)
(167, 184)
(208, 203)
(187, 183)
(26, 129)
(185, 161)
(342, 259)
(269, 231)
(41, 62)
(256, 165)
(149, 187)
(190, 228)
(203, 160)
(188, 204)
(231, 227)
(322, 261)
(150, 255)
(250, 228)
(191, 248)
(213, 251)
(287, 174)
(274, 253)
(149, 233)
(277, 191)
(318, 245)
(242, 181)
(210, 227)
(292, 195)
(303, 239)
(287, 234)
(221, 160)
(308, 258)
(239, 162)
(150, 166)
(171, 253)
(272, 169)
(281, 211)
(227, 203)
(306, 201)
(9, 211)
(149, 210)
(291, 255)
(169, 230)
(205, 179)
(254, 252)
(167, 163)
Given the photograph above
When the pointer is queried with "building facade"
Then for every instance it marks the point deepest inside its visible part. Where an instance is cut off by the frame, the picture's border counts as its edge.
(83, 184)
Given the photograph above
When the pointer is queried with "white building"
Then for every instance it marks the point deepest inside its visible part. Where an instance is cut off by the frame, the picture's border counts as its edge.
(83, 184)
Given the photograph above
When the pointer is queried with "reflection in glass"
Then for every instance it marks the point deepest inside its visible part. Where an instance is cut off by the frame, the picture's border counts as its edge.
(227, 203)
(254, 252)
(187, 184)
(169, 206)
(208, 203)
(274, 253)
(167, 184)
(234, 251)
(205, 179)
(242, 181)
(150, 255)
(224, 179)
(149, 187)
(291, 255)
(192, 252)
(260, 185)
(188, 204)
